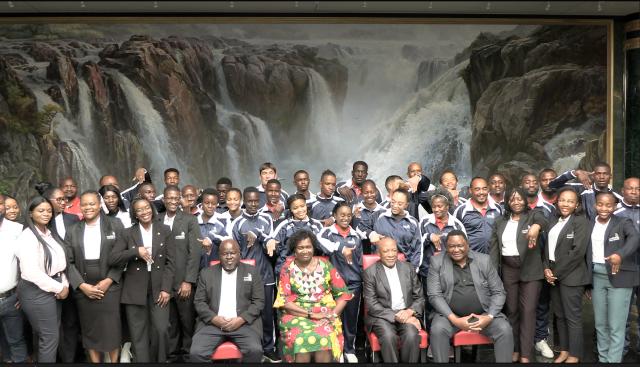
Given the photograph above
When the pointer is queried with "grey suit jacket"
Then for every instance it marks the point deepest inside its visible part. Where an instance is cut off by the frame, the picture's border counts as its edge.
(377, 292)
(249, 295)
(185, 232)
(487, 283)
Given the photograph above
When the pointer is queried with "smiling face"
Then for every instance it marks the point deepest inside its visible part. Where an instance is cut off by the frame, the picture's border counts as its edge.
(605, 206)
(233, 200)
(299, 209)
(90, 206)
(303, 251)
(497, 185)
(567, 203)
(369, 194)
(414, 169)
(457, 248)
(517, 203)
(388, 251)
(343, 217)
(11, 209)
(143, 212)
(440, 208)
(42, 214)
(69, 188)
(399, 203)
(147, 191)
(479, 190)
(273, 193)
(449, 181)
(171, 200)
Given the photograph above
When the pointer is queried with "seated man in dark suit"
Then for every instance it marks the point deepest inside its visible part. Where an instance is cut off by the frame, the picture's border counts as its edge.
(393, 296)
(229, 299)
(454, 276)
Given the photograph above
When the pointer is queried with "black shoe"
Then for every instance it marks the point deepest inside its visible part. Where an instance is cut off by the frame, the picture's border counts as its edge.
(272, 357)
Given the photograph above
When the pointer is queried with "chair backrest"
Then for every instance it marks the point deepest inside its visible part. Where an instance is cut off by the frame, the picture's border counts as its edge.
(368, 260)
(251, 262)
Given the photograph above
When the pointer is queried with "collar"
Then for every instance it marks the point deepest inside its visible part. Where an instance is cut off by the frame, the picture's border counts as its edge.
(247, 215)
(212, 220)
(344, 233)
(387, 213)
(467, 264)
(468, 206)
(363, 207)
(450, 220)
(628, 206)
(321, 197)
(260, 188)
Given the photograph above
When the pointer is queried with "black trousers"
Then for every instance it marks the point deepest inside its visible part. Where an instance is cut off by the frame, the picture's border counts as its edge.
(43, 311)
(394, 336)
(182, 319)
(566, 303)
(69, 329)
(349, 319)
(149, 330)
(520, 305)
(208, 337)
(268, 323)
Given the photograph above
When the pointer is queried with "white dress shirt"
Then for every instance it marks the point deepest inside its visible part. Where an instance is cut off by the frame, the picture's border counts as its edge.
(147, 241)
(59, 223)
(509, 239)
(169, 220)
(227, 307)
(554, 232)
(92, 240)
(9, 233)
(31, 256)
(597, 241)
(397, 298)
(124, 217)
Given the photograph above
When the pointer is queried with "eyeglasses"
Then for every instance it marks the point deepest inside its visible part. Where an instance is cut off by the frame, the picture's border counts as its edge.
(60, 199)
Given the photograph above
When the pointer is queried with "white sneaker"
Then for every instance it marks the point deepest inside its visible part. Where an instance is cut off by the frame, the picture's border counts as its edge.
(351, 358)
(544, 349)
(125, 354)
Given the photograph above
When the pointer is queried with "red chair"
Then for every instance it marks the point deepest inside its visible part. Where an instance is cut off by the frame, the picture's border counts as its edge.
(372, 341)
(468, 338)
(228, 350)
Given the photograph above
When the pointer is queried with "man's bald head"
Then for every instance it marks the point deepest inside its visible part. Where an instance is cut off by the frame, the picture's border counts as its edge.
(229, 254)
(631, 191)
(414, 169)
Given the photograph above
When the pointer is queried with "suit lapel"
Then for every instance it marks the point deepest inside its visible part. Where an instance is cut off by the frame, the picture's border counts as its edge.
(240, 284)
(380, 274)
(405, 281)
(447, 275)
(215, 287)
(157, 241)
(522, 245)
(80, 231)
(562, 236)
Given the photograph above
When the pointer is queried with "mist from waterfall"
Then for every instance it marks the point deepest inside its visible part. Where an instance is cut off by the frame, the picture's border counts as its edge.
(150, 128)
(85, 109)
(249, 140)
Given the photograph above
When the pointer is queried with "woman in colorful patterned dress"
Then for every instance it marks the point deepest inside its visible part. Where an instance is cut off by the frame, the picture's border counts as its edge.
(311, 296)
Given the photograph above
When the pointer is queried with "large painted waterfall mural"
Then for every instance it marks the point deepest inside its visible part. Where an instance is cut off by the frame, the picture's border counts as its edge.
(219, 99)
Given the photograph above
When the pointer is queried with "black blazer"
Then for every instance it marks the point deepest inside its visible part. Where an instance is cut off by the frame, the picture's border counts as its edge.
(249, 295)
(571, 266)
(620, 237)
(136, 276)
(112, 232)
(377, 292)
(67, 219)
(185, 233)
(530, 258)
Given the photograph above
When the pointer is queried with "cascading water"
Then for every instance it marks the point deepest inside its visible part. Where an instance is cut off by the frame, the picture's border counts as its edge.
(85, 113)
(323, 121)
(248, 134)
(432, 129)
(150, 129)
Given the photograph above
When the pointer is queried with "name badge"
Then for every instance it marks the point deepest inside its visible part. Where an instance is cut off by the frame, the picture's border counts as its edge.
(570, 235)
(526, 230)
(247, 278)
(406, 226)
(614, 238)
(180, 236)
(111, 236)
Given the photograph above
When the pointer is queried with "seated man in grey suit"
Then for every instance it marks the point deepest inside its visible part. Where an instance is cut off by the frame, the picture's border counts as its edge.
(393, 296)
(229, 299)
(454, 276)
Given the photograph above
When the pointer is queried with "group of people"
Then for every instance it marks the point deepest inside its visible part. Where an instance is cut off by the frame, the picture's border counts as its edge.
(129, 274)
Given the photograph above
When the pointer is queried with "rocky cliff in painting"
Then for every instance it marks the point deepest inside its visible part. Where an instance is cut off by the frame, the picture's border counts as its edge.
(85, 109)
(538, 100)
